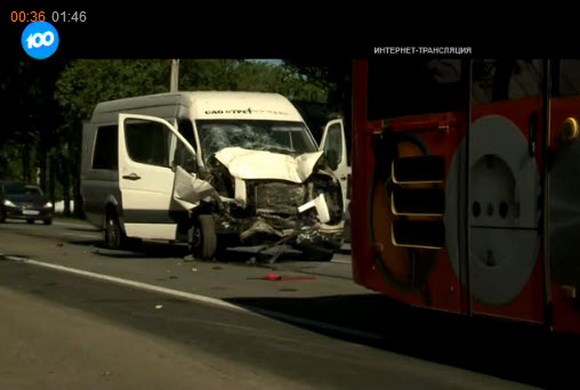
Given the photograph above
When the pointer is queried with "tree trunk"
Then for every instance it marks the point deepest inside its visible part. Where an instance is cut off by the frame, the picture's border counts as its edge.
(65, 180)
(76, 153)
(52, 178)
(42, 166)
(78, 200)
(26, 163)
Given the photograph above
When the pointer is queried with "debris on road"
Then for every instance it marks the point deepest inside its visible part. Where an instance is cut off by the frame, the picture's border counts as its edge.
(159, 307)
(274, 277)
(188, 258)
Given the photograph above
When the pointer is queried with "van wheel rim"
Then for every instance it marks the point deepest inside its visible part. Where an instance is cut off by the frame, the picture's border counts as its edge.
(196, 238)
(112, 234)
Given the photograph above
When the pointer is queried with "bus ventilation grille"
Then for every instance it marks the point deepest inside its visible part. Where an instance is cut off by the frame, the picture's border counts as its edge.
(418, 202)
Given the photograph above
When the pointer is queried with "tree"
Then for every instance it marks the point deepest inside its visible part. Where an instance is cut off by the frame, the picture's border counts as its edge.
(26, 89)
(333, 76)
(84, 83)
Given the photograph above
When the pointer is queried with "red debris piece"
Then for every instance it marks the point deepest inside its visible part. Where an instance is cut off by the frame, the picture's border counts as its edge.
(274, 277)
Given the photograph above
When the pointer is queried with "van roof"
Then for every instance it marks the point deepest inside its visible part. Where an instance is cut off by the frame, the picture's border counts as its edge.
(212, 104)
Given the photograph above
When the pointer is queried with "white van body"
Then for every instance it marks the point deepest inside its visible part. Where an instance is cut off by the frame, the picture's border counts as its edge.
(201, 166)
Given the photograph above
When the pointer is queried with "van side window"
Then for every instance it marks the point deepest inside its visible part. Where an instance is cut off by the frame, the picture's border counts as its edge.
(149, 142)
(106, 154)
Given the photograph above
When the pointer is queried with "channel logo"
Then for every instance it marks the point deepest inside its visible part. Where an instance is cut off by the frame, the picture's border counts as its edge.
(40, 40)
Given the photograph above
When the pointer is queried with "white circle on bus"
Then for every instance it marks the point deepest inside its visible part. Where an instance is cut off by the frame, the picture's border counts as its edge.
(502, 207)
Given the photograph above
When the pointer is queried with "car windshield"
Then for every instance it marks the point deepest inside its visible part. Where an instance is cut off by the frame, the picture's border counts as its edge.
(274, 136)
(21, 189)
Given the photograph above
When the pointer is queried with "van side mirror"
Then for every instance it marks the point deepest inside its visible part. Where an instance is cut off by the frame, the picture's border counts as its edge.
(190, 163)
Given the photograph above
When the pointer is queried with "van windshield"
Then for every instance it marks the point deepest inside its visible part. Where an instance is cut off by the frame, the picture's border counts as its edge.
(273, 136)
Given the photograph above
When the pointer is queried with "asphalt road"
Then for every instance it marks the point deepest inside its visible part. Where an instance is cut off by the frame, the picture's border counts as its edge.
(78, 316)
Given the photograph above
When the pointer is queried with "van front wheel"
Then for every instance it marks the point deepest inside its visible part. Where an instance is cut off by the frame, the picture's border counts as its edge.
(203, 239)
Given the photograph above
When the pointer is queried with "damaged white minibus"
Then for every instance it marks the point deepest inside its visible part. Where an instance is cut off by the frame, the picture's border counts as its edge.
(215, 170)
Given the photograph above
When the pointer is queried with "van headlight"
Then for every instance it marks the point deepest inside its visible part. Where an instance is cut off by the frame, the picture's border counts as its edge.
(8, 203)
(48, 205)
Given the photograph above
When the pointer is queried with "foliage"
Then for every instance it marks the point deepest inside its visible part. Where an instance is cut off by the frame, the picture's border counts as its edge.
(84, 83)
(24, 86)
(333, 76)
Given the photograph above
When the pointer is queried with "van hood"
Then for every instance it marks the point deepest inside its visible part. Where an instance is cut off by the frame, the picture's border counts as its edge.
(250, 164)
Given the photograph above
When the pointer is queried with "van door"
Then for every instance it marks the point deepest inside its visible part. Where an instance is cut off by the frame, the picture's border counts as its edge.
(333, 145)
(147, 149)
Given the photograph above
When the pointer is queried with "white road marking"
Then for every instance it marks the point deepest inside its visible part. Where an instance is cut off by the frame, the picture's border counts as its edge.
(127, 282)
(200, 298)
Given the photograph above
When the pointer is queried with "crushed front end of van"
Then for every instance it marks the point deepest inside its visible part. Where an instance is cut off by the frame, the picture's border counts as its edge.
(260, 197)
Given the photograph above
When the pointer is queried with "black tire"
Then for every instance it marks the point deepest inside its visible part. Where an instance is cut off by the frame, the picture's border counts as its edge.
(203, 240)
(113, 235)
(47, 221)
(315, 253)
(2, 217)
(30, 221)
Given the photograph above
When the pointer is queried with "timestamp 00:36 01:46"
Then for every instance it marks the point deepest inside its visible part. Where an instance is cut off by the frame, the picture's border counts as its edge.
(41, 16)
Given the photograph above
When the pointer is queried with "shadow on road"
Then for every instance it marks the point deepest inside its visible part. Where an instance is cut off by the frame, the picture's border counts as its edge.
(517, 352)
(151, 249)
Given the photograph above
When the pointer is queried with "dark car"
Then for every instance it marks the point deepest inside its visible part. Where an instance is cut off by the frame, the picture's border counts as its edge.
(23, 201)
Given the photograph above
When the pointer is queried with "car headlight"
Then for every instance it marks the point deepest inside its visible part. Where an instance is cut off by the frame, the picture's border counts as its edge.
(8, 203)
(48, 205)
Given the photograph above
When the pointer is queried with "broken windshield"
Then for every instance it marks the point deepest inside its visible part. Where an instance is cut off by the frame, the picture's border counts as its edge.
(273, 136)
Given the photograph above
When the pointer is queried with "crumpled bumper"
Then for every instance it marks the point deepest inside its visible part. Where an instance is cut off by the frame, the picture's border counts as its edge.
(293, 233)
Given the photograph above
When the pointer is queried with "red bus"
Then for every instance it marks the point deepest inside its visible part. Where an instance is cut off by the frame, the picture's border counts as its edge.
(466, 185)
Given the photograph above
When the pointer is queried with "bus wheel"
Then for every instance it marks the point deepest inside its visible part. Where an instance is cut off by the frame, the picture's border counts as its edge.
(202, 237)
(113, 235)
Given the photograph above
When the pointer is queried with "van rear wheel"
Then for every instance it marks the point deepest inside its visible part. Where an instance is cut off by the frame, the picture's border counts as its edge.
(113, 235)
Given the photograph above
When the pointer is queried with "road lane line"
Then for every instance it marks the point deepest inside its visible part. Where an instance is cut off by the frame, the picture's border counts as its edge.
(201, 298)
(127, 282)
